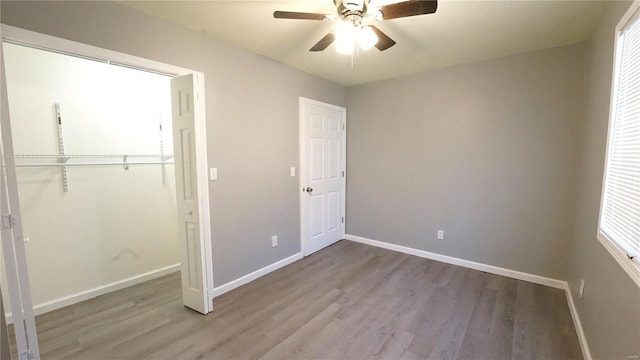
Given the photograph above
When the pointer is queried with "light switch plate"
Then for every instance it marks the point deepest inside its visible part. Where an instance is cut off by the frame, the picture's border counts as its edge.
(293, 171)
(213, 174)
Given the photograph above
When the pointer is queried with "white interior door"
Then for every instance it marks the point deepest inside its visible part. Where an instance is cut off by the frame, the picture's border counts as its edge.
(184, 97)
(322, 149)
(13, 249)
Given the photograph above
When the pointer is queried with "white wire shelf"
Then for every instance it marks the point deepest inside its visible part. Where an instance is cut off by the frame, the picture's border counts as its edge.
(64, 160)
(78, 160)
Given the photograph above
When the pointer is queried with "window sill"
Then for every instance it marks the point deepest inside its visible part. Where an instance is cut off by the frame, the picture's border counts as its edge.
(631, 267)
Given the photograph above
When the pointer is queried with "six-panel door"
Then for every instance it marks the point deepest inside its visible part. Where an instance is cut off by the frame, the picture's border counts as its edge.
(323, 176)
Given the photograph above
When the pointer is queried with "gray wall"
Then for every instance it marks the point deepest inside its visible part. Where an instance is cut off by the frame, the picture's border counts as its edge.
(252, 119)
(5, 352)
(485, 151)
(610, 310)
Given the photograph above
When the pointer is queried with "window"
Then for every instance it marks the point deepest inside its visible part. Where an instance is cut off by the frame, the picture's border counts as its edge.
(619, 227)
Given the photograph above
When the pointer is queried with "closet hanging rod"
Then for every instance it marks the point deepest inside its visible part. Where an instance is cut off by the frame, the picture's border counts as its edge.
(122, 163)
(95, 156)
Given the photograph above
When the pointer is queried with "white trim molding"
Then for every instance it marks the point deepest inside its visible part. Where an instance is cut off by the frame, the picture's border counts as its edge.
(217, 291)
(37, 40)
(100, 290)
(586, 353)
(630, 266)
(536, 279)
(620, 254)
(57, 45)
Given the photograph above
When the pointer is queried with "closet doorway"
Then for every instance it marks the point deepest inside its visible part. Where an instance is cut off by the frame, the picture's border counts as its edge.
(105, 203)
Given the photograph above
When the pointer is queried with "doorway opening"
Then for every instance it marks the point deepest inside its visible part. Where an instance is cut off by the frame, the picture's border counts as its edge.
(93, 146)
(94, 163)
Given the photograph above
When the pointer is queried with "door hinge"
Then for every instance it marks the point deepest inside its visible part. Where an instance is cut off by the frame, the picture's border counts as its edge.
(343, 174)
(8, 221)
(343, 219)
(27, 355)
(344, 127)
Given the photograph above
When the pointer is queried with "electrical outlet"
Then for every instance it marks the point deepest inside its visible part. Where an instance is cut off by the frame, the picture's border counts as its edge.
(274, 241)
(581, 288)
(440, 234)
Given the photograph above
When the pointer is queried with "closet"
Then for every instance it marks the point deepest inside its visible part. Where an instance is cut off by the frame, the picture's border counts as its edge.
(93, 150)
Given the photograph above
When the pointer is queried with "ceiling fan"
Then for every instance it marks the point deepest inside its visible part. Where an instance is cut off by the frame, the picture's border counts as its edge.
(353, 18)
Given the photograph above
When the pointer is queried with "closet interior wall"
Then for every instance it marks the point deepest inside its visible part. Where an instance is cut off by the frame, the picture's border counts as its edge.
(115, 223)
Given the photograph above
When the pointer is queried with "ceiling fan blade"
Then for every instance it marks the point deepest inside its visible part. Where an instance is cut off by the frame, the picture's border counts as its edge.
(409, 8)
(324, 42)
(297, 15)
(384, 41)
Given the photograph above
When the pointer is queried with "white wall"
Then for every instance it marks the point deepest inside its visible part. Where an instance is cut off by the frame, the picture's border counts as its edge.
(112, 224)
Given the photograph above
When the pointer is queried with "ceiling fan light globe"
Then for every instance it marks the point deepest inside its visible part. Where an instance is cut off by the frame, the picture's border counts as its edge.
(345, 48)
(367, 38)
(345, 38)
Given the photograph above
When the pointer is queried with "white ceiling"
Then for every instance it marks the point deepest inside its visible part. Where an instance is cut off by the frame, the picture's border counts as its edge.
(459, 32)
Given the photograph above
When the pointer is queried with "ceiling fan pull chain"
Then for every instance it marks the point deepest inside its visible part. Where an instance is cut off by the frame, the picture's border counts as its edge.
(353, 56)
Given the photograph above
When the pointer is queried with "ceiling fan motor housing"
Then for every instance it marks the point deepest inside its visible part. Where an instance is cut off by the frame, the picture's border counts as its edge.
(349, 8)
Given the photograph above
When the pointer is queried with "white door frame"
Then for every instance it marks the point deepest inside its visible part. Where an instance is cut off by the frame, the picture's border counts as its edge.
(50, 43)
(13, 248)
(303, 166)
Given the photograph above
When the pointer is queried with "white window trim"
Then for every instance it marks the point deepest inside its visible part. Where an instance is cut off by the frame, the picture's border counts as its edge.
(631, 267)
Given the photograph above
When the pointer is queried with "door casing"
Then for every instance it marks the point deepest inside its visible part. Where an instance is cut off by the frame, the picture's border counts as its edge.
(303, 102)
(13, 247)
(50, 43)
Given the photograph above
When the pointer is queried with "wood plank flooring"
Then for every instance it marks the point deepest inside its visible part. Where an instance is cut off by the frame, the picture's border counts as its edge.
(348, 301)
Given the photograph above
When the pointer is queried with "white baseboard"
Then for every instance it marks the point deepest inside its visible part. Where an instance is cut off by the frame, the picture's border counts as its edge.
(100, 290)
(219, 290)
(536, 279)
(586, 353)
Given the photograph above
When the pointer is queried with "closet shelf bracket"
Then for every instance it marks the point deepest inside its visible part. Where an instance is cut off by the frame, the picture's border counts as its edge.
(8, 221)
(63, 169)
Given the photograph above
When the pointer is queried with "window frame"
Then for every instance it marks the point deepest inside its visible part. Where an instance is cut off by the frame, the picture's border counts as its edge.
(631, 266)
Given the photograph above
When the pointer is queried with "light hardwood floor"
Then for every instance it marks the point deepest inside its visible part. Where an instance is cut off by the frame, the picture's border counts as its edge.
(348, 301)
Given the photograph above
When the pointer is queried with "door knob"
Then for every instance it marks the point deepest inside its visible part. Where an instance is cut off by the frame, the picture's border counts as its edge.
(308, 189)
